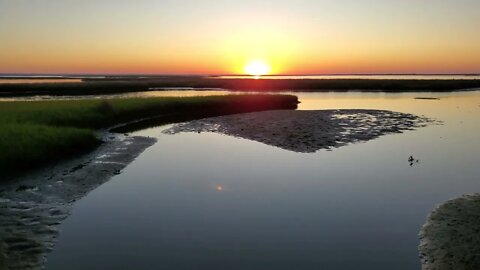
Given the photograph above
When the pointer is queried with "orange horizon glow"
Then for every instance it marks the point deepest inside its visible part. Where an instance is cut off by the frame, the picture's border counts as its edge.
(292, 38)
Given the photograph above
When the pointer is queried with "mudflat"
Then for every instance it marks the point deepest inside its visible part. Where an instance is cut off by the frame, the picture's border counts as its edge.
(449, 239)
(33, 206)
(307, 131)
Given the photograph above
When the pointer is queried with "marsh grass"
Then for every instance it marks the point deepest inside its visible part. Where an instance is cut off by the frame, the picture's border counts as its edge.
(33, 133)
(27, 146)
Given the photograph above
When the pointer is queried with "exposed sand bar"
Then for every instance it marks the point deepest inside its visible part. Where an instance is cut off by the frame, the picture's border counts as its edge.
(32, 207)
(307, 131)
(450, 238)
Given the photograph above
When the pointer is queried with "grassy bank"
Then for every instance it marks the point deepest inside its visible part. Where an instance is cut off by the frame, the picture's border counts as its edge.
(128, 84)
(39, 132)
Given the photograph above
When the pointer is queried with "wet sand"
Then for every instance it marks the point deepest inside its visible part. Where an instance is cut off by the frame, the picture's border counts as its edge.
(449, 239)
(33, 206)
(307, 131)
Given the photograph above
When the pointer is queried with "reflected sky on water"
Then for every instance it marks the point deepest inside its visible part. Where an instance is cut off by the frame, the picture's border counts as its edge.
(210, 201)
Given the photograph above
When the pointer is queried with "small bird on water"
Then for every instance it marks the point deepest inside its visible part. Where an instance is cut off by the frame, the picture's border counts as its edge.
(412, 160)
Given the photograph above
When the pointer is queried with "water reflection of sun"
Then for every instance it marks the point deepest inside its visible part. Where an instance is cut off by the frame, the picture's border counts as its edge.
(257, 68)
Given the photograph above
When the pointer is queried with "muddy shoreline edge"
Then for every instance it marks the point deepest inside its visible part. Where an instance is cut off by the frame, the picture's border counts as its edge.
(32, 206)
(449, 239)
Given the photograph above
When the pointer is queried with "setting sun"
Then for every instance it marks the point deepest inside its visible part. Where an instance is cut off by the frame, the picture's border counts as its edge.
(257, 68)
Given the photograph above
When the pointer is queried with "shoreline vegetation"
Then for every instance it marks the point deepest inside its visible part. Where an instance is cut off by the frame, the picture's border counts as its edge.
(122, 84)
(36, 133)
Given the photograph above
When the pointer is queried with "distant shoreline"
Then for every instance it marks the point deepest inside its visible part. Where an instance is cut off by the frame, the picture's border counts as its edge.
(122, 84)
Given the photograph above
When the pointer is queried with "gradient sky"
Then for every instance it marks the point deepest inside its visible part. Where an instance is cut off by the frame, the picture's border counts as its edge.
(222, 36)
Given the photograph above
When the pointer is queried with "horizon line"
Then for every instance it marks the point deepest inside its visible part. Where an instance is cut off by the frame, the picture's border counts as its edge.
(227, 75)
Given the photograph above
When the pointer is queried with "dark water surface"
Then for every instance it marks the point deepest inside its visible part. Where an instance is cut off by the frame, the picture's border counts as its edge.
(209, 201)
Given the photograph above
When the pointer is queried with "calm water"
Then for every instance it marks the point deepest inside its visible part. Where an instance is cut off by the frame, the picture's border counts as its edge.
(358, 207)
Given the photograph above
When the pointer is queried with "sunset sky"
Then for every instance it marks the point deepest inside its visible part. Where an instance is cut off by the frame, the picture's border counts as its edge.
(223, 36)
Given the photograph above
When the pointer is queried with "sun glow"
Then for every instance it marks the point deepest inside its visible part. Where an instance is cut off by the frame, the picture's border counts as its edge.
(257, 68)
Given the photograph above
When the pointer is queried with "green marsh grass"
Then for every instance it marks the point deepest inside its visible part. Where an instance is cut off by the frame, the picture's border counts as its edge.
(34, 133)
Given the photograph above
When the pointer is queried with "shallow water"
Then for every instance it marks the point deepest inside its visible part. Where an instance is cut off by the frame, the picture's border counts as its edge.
(36, 81)
(209, 201)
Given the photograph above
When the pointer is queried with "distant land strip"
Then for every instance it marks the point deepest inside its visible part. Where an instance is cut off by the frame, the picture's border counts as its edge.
(121, 84)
